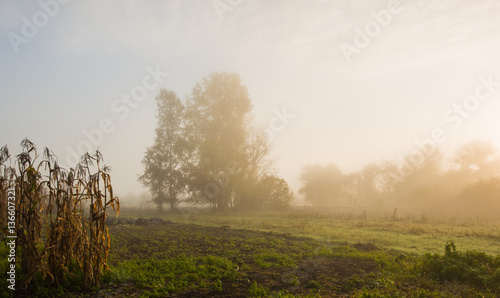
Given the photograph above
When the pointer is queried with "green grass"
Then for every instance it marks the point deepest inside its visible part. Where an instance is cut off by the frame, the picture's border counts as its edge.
(296, 255)
(171, 275)
(408, 234)
(400, 249)
(177, 257)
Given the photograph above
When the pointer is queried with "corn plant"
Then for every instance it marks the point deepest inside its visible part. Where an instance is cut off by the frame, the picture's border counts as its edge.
(60, 214)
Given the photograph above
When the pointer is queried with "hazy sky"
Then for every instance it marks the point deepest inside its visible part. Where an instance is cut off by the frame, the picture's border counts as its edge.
(364, 79)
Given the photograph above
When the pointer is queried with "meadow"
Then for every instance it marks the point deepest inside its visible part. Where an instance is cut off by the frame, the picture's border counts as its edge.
(296, 254)
(411, 234)
(306, 254)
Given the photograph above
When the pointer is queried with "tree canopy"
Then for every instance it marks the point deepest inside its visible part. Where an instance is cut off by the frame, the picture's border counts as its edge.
(207, 151)
(464, 182)
(164, 161)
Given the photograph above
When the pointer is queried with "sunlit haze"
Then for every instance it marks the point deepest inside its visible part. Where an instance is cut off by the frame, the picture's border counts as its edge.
(351, 82)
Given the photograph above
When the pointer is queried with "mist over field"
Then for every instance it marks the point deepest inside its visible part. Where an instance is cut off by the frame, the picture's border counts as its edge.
(373, 123)
(366, 81)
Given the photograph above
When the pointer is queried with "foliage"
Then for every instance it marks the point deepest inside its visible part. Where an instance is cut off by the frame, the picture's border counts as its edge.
(321, 184)
(270, 193)
(275, 193)
(165, 161)
(423, 181)
(479, 159)
(256, 290)
(470, 267)
(215, 116)
(207, 153)
(482, 197)
(266, 260)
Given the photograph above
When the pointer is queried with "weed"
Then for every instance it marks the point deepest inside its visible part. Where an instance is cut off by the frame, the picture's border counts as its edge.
(218, 285)
(256, 290)
(295, 281)
(267, 260)
(313, 285)
(472, 267)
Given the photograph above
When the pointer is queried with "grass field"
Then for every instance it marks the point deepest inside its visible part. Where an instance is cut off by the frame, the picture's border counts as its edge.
(296, 254)
(411, 235)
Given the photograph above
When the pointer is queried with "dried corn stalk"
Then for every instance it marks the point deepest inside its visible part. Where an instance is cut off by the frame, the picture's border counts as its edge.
(60, 214)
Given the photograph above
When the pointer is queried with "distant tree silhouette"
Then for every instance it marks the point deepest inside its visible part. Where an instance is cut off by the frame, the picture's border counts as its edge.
(321, 185)
(165, 161)
(477, 160)
(229, 165)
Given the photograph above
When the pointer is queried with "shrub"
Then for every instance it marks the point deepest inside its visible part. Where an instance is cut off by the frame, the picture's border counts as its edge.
(472, 267)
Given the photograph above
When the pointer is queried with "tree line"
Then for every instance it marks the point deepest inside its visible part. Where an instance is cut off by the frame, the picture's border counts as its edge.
(467, 182)
(207, 152)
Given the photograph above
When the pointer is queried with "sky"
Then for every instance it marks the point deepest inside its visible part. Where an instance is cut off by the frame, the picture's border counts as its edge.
(347, 82)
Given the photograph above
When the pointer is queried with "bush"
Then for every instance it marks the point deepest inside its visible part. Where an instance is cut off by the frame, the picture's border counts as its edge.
(474, 268)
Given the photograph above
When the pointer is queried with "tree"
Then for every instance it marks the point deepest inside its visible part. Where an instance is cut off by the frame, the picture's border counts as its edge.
(374, 184)
(321, 185)
(209, 151)
(367, 183)
(275, 193)
(164, 161)
(351, 190)
(254, 166)
(423, 187)
(217, 123)
(388, 176)
(477, 160)
(480, 198)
